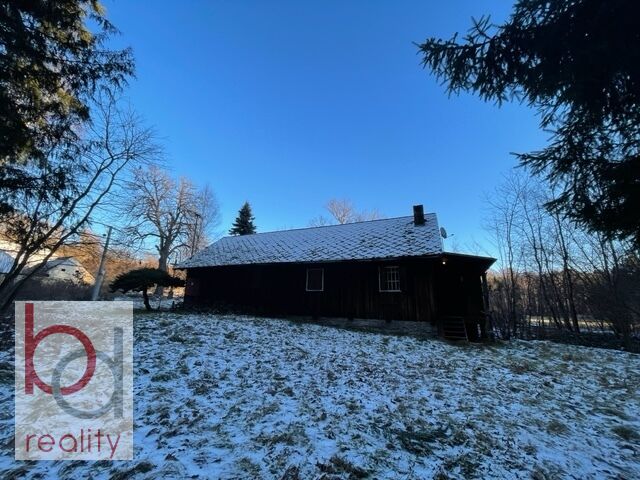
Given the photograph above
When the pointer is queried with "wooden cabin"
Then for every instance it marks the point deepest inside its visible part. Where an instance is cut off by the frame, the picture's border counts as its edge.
(391, 269)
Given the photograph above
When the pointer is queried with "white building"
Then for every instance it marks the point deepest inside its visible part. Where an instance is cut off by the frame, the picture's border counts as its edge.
(56, 268)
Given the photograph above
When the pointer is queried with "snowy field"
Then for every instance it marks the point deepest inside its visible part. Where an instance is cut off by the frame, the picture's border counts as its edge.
(223, 397)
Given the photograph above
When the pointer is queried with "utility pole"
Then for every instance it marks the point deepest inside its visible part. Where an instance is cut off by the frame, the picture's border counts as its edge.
(100, 275)
(196, 236)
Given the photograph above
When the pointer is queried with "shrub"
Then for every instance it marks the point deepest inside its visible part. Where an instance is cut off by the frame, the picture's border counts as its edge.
(141, 279)
(48, 289)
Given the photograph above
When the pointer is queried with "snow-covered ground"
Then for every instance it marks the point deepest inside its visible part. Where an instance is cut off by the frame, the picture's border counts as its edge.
(157, 303)
(224, 397)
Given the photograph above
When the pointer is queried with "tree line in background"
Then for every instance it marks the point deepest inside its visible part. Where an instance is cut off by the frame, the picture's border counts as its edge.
(340, 210)
(554, 274)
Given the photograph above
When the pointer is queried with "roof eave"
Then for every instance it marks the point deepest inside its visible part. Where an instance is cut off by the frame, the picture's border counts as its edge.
(432, 256)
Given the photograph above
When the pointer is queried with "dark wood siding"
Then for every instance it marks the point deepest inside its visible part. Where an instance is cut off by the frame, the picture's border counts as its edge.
(351, 289)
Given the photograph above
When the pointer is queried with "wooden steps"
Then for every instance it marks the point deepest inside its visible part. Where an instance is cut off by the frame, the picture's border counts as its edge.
(453, 328)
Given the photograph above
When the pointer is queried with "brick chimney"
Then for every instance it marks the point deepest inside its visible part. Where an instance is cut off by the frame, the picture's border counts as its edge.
(418, 215)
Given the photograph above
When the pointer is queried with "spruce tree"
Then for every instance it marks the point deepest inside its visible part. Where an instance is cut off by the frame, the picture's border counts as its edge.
(244, 222)
(578, 64)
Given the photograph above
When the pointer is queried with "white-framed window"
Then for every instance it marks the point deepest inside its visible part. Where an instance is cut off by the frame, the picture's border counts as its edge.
(315, 279)
(389, 279)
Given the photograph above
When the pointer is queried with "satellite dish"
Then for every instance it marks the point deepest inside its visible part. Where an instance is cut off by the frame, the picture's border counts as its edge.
(443, 232)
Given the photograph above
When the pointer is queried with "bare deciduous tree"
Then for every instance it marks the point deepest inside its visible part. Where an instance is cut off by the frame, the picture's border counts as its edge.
(502, 224)
(320, 221)
(552, 271)
(173, 215)
(343, 211)
(206, 211)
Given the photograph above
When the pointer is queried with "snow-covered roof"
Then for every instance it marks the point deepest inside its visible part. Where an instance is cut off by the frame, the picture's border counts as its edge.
(375, 239)
(62, 261)
(12, 249)
(6, 261)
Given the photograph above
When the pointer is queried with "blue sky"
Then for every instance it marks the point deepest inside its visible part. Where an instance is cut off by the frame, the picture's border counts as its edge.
(287, 104)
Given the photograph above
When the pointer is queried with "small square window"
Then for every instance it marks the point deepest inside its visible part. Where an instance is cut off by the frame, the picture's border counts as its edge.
(389, 279)
(315, 279)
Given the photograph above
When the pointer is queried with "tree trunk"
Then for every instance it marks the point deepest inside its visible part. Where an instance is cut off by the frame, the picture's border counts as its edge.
(572, 304)
(8, 296)
(163, 261)
(145, 296)
(568, 278)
